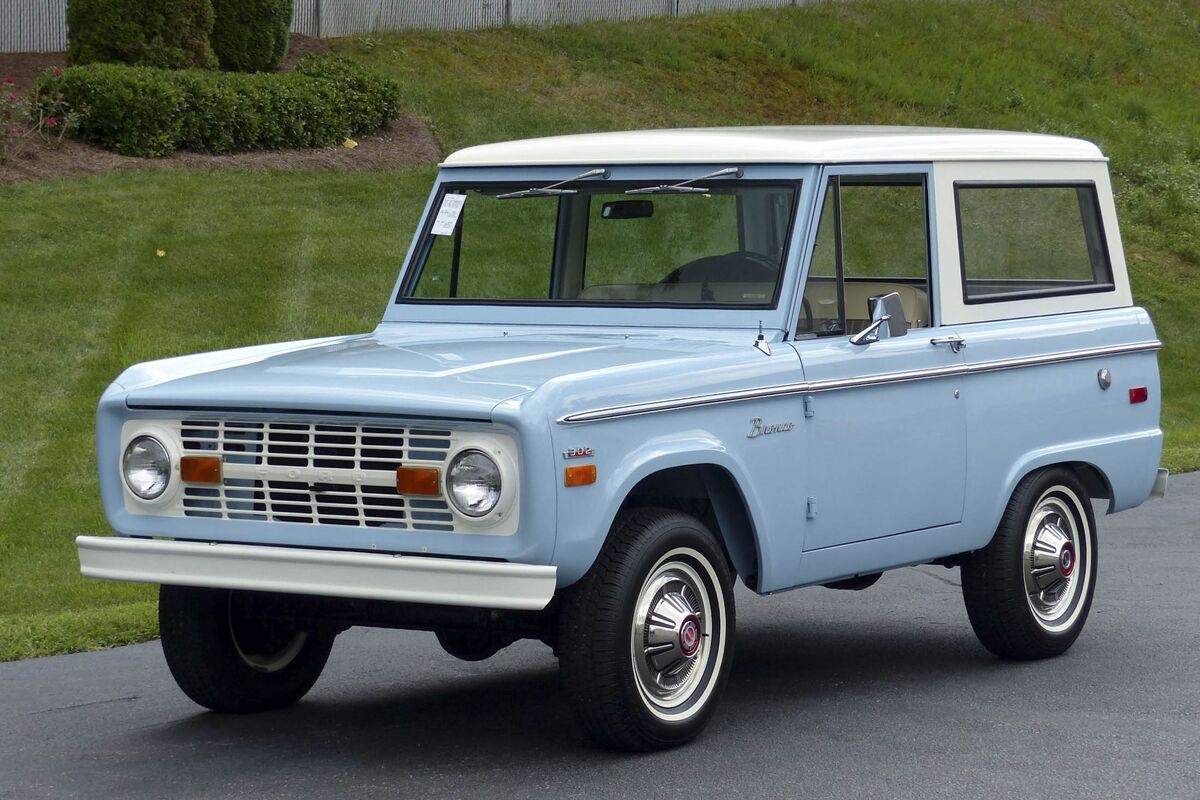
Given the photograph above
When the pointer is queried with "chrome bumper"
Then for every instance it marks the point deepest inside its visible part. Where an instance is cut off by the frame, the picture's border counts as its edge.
(332, 573)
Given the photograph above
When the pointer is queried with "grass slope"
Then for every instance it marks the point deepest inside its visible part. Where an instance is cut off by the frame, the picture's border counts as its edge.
(254, 257)
(248, 258)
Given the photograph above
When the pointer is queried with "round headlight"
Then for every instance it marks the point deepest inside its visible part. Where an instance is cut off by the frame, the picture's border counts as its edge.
(473, 483)
(147, 467)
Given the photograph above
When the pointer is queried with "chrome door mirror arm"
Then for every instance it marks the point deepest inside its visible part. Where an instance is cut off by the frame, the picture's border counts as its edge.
(870, 333)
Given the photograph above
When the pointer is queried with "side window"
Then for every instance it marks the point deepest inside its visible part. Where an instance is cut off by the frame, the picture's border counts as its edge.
(1030, 241)
(873, 239)
(822, 311)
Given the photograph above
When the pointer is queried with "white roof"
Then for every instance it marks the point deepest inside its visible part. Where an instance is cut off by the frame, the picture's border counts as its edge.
(797, 144)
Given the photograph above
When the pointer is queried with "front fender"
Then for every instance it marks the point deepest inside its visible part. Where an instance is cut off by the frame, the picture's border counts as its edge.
(586, 514)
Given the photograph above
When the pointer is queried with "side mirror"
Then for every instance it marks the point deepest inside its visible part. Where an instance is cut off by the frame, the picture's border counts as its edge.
(887, 320)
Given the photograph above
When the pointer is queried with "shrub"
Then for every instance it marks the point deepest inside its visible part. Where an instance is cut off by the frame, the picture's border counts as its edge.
(371, 100)
(151, 112)
(251, 35)
(172, 34)
(136, 111)
(219, 118)
(15, 129)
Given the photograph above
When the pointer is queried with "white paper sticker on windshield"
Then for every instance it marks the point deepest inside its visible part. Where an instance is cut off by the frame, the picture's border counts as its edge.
(447, 216)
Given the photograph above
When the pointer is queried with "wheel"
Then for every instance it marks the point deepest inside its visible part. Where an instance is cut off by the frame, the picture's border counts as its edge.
(473, 645)
(227, 657)
(1029, 591)
(646, 637)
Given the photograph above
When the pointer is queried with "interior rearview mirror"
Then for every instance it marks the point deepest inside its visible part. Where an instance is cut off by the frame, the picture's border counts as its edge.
(887, 319)
(627, 209)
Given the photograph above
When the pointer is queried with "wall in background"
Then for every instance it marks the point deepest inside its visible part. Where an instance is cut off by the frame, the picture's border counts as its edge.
(40, 25)
(33, 26)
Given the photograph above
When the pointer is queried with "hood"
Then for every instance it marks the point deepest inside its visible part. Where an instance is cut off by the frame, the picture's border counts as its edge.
(419, 370)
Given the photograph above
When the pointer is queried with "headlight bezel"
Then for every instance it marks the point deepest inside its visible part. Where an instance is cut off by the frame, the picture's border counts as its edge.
(496, 505)
(167, 474)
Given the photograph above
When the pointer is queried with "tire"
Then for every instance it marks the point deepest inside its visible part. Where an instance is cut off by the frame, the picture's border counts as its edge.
(226, 658)
(1028, 593)
(628, 699)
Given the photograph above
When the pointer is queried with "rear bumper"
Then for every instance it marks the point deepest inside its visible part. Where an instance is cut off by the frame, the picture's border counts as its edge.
(367, 576)
(1160, 484)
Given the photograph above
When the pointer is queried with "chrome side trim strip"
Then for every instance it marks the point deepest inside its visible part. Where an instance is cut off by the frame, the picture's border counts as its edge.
(812, 387)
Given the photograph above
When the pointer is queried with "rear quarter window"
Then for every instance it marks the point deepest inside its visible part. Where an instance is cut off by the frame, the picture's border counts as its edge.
(1025, 241)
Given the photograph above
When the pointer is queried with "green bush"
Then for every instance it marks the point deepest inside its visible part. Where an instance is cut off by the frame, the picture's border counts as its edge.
(219, 118)
(251, 35)
(172, 34)
(136, 111)
(143, 111)
(371, 100)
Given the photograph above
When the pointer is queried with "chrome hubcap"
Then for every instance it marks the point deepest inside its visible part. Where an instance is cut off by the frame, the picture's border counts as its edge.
(1055, 559)
(262, 646)
(671, 634)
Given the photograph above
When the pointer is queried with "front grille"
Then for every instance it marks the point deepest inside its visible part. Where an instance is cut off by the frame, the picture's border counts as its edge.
(332, 474)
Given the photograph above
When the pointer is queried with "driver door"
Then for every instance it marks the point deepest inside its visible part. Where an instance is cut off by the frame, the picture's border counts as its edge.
(884, 435)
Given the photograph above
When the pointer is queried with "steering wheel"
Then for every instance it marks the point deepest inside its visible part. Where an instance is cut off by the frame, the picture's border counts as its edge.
(806, 311)
(739, 266)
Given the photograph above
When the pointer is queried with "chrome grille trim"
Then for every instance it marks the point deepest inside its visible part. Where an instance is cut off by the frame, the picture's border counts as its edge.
(313, 472)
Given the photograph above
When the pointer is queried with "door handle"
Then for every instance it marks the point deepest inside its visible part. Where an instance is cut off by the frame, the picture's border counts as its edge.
(956, 342)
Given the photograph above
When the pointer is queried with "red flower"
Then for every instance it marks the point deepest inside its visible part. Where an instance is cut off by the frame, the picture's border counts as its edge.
(57, 72)
(12, 97)
(9, 80)
(52, 121)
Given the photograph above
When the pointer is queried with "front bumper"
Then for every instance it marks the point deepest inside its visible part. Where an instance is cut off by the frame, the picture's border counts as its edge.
(367, 576)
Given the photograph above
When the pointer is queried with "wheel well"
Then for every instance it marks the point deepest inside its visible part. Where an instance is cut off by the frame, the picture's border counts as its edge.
(709, 493)
(1093, 479)
(1089, 475)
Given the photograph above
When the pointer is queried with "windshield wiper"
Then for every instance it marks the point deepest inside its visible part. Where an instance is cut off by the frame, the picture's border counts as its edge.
(682, 187)
(552, 189)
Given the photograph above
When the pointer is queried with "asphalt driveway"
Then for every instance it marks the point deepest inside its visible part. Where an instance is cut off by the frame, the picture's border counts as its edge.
(881, 693)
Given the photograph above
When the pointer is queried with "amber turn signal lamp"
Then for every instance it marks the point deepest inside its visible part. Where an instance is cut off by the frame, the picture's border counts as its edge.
(583, 475)
(418, 480)
(200, 469)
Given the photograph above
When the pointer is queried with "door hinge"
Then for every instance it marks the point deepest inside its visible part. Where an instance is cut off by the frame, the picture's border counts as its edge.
(808, 406)
(812, 508)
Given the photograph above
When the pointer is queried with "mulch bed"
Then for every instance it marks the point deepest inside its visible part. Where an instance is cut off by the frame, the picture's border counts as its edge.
(405, 142)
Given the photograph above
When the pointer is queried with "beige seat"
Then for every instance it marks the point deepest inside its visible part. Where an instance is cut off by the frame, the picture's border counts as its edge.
(823, 298)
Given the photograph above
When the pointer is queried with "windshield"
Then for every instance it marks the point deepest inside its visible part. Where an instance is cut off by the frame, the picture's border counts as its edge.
(595, 244)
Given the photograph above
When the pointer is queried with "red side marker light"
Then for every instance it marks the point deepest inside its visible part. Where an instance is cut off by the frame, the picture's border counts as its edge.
(1138, 394)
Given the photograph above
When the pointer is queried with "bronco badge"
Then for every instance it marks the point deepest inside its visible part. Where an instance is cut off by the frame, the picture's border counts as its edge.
(757, 428)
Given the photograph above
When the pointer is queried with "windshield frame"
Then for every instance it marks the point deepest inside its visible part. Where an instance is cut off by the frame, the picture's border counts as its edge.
(798, 177)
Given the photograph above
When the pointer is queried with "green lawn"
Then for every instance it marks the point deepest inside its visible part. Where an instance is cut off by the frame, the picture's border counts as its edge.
(248, 258)
(253, 257)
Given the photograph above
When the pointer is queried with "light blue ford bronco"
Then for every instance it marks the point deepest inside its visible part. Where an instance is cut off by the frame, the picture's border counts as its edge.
(619, 372)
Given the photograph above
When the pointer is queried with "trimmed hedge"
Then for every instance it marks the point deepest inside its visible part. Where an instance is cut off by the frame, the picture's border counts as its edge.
(371, 100)
(172, 34)
(141, 111)
(251, 35)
